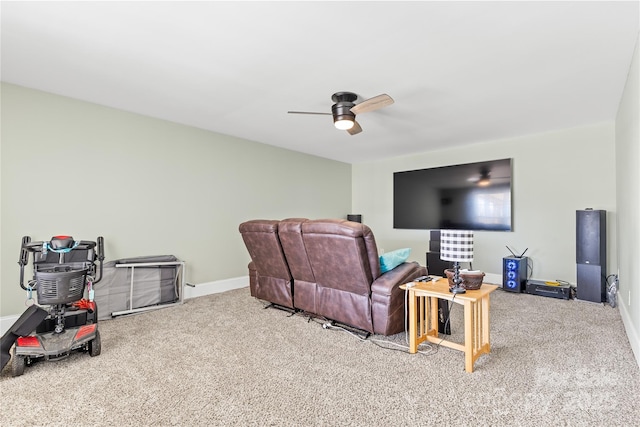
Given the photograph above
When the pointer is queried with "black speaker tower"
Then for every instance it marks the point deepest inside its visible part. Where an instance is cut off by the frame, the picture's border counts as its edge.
(435, 265)
(591, 255)
(354, 217)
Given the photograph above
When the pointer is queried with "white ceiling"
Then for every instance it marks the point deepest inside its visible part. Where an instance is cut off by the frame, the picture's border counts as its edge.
(460, 72)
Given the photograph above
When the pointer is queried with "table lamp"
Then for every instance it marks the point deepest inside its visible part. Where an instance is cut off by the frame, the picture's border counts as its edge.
(456, 246)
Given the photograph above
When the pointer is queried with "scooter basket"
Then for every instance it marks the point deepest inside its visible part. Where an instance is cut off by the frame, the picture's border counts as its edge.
(60, 285)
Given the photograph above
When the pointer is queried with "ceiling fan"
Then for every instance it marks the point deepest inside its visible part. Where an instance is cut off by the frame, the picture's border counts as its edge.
(484, 178)
(344, 110)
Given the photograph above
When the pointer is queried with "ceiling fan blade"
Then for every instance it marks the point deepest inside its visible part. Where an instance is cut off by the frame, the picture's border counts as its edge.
(308, 112)
(355, 129)
(372, 104)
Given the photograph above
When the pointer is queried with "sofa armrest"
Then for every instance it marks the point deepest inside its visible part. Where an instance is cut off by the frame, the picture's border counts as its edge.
(387, 299)
(404, 273)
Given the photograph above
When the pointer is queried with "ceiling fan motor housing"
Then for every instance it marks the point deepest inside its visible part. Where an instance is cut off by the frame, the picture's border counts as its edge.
(342, 111)
(342, 108)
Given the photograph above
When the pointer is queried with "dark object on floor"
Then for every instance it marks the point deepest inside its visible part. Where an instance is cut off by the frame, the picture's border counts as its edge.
(549, 289)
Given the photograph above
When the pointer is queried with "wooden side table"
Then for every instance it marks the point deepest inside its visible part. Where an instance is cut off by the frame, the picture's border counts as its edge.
(423, 318)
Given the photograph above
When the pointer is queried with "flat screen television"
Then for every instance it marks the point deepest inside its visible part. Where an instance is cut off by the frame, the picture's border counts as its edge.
(471, 196)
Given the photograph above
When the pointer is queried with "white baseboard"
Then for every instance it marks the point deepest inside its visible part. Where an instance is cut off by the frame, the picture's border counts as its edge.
(494, 279)
(632, 332)
(198, 290)
(208, 288)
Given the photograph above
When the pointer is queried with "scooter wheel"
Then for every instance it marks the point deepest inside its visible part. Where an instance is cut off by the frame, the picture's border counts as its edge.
(95, 347)
(17, 364)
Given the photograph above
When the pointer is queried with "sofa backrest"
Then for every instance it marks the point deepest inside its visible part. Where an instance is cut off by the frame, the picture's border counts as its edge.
(304, 282)
(339, 248)
(290, 232)
(344, 260)
(273, 281)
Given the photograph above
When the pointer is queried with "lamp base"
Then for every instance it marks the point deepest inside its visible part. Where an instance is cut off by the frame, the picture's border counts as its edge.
(458, 288)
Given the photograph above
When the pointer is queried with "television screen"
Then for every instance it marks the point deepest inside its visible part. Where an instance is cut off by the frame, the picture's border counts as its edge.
(472, 196)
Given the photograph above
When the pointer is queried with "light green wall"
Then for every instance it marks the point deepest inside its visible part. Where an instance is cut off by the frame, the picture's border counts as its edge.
(554, 174)
(148, 186)
(628, 200)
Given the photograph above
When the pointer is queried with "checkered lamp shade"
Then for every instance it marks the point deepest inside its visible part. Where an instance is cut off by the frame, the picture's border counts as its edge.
(456, 245)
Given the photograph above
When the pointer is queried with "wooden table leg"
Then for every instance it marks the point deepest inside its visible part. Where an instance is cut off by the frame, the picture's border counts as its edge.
(469, 335)
(413, 323)
(433, 317)
(485, 324)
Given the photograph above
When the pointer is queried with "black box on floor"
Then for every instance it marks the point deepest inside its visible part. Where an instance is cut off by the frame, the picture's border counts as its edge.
(539, 287)
(515, 270)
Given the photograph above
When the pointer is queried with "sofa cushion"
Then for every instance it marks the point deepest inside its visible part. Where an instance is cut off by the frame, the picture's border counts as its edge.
(392, 259)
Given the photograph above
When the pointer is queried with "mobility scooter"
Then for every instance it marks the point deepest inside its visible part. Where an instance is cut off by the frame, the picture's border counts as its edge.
(63, 268)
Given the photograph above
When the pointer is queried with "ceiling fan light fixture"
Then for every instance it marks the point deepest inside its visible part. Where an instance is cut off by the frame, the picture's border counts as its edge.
(484, 182)
(343, 123)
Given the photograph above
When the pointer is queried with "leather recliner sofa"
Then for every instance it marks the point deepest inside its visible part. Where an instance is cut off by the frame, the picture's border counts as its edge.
(327, 267)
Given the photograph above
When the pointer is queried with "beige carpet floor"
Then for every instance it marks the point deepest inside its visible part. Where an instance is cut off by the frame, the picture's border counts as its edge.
(224, 360)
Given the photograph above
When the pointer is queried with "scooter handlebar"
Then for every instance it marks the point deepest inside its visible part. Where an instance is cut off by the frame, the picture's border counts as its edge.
(100, 255)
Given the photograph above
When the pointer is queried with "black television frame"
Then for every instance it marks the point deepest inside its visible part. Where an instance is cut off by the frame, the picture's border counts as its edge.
(452, 199)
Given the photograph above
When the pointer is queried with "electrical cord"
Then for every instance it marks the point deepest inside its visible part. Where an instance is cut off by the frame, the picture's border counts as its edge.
(446, 323)
(612, 290)
(423, 348)
(448, 318)
(384, 344)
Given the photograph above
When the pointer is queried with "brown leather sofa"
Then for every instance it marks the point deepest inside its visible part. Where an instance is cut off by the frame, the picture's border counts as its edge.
(327, 267)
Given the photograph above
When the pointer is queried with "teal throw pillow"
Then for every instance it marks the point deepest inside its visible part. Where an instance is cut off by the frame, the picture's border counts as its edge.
(392, 259)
